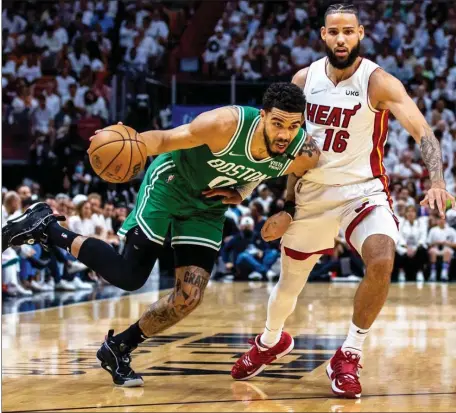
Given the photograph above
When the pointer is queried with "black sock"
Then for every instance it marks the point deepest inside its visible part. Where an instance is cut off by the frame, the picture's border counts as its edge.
(60, 236)
(132, 336)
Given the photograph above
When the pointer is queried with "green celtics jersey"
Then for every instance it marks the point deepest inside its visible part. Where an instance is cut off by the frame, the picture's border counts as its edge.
(235, 164)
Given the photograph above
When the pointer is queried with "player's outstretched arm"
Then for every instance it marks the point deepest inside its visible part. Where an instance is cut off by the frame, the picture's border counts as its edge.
(277, 225)
(213, 128)
(387, 93)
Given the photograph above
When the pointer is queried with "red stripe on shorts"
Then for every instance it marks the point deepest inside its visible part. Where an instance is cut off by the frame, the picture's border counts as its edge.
(301, 256)
(356, 221)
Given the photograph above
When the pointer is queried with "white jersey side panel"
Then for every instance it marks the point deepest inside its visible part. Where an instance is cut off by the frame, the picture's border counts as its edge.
(350, 133)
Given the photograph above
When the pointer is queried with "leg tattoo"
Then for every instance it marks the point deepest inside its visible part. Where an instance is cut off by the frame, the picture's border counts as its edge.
(188, 293)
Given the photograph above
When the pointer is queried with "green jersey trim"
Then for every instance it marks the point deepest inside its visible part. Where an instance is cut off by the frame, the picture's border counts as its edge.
(141, 221)
(248, 142)
(233, 139)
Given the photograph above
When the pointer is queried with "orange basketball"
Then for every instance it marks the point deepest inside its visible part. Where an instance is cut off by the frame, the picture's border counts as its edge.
(117, 154)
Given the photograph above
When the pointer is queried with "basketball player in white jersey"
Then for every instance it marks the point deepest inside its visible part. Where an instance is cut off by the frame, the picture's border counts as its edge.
(348, 101)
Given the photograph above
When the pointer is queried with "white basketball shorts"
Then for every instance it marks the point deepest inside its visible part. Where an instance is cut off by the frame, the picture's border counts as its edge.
(360, 210)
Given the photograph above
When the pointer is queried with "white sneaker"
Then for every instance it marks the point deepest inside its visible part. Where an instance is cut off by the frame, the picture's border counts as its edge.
(433, 276)
(11, 290)
(401, 276)
(255, 276)
(20, 290)
(81, 285)
(270, 275)
(444, 275)
(36, 286)
(65, 285)
(76, 266)
(420, 276)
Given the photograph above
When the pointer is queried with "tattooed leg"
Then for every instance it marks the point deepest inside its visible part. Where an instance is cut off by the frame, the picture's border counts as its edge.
(188, 293)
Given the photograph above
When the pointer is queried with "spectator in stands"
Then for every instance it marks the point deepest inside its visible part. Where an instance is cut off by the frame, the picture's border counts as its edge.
(78, 58)
(80, 179)
(82, 222)
(13, 21)
(23, 105)
(411, 247)
(247, 253)
(301, 54)
(95, 106)
(64, 80)
(265, 197)
(407, 168)
(30, 70)
(442, 243)
(257, 213)
(42, 120)
(24, 193)
(441, 112)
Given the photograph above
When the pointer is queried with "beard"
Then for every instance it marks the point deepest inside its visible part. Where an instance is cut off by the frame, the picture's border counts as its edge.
(343, 63)
(269, 142)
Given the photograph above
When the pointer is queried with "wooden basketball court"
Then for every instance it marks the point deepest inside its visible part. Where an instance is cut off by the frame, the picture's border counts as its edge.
(49, 359)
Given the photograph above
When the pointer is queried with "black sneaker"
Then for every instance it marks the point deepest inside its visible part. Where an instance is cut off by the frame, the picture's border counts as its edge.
(116, 360)
(29, 228)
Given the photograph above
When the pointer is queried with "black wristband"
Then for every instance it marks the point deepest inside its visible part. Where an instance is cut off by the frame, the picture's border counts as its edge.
(290, 208)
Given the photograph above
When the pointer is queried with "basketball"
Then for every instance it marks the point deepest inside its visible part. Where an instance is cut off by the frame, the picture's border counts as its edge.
(117, 154)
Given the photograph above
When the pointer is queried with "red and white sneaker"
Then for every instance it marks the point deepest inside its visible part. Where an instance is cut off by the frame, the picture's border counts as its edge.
(343, 371)
(254, 361)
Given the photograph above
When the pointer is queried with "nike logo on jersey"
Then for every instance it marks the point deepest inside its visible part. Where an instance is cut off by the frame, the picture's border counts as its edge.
(314, 91)
(236, 154)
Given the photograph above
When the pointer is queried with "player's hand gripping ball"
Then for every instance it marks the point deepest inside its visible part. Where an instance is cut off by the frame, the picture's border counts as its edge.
(117, 153)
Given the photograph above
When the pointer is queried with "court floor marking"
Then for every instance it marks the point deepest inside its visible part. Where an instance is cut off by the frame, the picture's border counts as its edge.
(226, 401)
(96, 300)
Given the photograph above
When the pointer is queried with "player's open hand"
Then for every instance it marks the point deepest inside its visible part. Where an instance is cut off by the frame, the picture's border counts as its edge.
(439, 197)
(230, 196)
(276, 226)
(99, 130)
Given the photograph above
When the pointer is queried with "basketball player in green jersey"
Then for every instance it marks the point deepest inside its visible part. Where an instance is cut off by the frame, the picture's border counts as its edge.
(215, 160)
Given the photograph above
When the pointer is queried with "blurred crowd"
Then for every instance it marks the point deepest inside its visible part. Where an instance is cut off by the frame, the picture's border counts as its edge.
(57, 63)
(57, 67)
(29, 269)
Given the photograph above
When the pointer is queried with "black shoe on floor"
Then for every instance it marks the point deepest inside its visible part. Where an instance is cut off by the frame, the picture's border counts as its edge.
(116, 360)
(29, 228)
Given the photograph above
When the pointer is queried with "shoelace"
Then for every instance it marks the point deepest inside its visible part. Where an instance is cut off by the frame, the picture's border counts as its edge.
(348, 366)
(263, 356)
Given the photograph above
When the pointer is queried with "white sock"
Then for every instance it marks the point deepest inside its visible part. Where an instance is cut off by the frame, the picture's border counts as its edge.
(270, 338)
(284, 296)
(355, 339)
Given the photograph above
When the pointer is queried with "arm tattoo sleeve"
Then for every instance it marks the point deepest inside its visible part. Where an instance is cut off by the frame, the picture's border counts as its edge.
(432, 156)
(309, 147)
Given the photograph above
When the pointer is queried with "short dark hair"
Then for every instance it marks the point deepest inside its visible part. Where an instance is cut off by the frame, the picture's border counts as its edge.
(284, 96)
(342, 8)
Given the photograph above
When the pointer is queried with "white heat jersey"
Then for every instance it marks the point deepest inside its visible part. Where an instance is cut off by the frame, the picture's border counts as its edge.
(350, 133)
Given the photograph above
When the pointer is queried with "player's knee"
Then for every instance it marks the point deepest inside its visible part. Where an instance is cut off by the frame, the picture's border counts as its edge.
(381, 267)
(187, 297)
(132, 279)
(378, 254)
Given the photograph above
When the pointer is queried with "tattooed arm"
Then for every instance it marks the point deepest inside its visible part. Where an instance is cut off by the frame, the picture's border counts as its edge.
(387, 93)
(307, 158)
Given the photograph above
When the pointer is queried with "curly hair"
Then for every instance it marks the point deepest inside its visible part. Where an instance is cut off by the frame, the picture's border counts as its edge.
(284, 96)
(342, 8)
